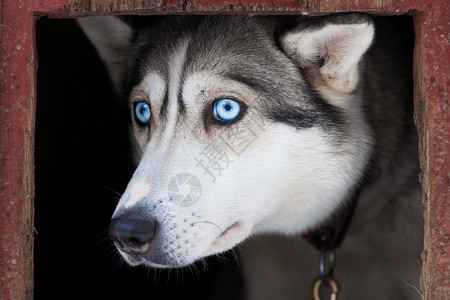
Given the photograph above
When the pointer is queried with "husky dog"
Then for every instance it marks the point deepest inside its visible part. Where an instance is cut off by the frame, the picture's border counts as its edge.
(249, 125)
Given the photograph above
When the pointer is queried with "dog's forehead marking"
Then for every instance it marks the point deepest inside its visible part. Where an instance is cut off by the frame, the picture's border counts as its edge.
(175, 62)
(195, 84)
(154, 86)
(138, 191)
(207, 85)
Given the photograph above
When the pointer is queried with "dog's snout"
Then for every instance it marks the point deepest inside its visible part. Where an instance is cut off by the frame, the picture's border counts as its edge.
(132, 235)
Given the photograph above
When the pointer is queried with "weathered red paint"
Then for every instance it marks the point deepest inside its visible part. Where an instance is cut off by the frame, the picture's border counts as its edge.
(17, 102)
(17, 111)
(432, 68)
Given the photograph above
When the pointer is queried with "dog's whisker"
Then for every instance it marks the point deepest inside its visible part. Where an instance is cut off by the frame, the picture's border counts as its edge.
(414, 288)
(209, 222)
(114, 191)
(103, 239)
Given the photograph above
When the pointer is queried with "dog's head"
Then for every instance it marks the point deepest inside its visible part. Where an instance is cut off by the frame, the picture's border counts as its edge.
(242, 125)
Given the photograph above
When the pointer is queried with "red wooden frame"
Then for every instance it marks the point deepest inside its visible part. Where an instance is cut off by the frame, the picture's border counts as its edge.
(18, 101)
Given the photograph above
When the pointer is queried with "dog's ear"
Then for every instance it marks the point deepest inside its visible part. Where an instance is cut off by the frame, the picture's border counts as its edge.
(330, 48)
(111, 37)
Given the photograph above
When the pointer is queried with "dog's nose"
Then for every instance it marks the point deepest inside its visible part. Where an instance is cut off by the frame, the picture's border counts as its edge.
(132, 235)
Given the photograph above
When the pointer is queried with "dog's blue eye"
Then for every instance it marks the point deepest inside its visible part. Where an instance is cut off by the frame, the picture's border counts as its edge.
(142, 113)
(226, 110)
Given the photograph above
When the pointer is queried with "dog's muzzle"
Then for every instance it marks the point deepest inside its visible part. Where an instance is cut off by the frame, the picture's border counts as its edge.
(132, 235)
